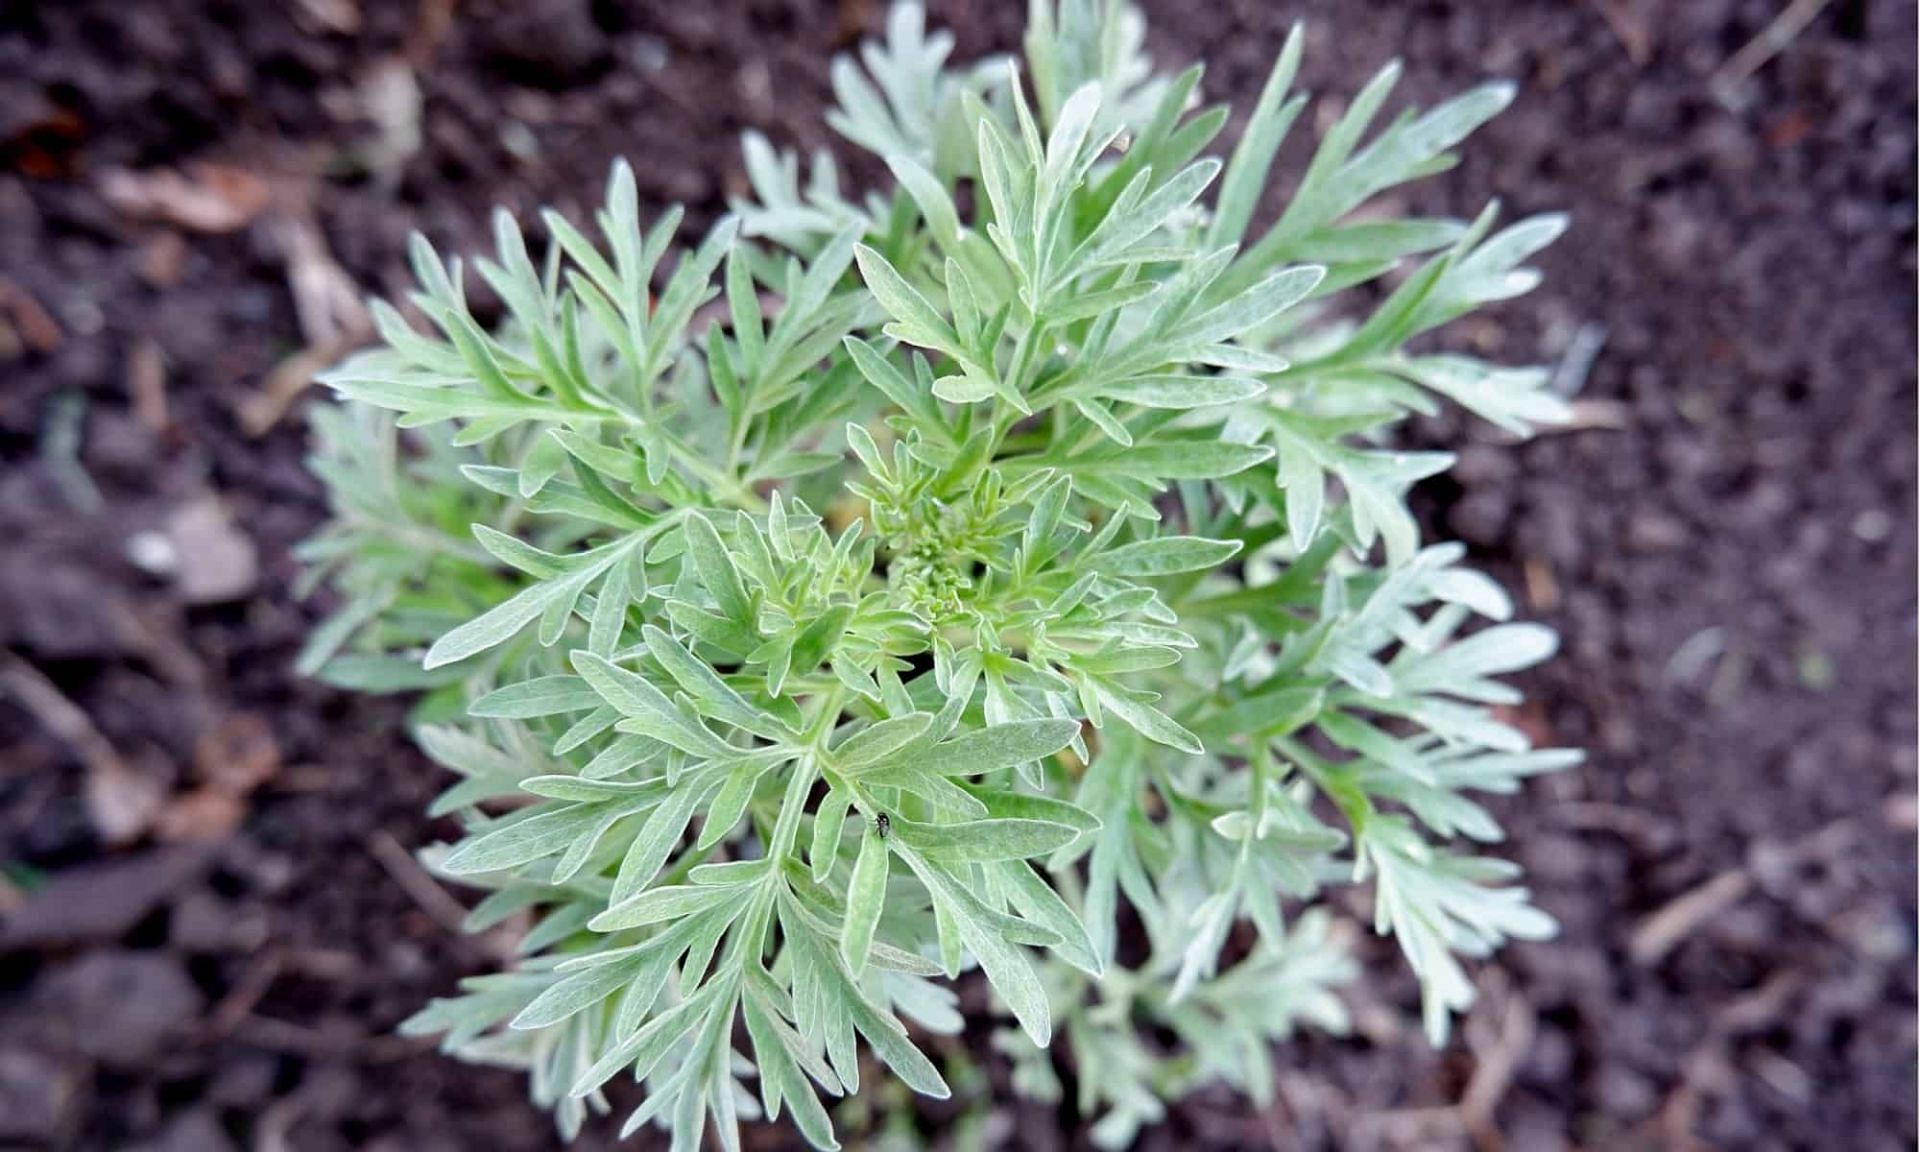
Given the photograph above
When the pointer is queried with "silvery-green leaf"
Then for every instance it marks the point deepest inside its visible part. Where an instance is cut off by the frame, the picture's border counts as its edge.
(540, 696)
(1167, 556)
(1150, 722)
(866, 897)
(880, 742)
(1010, 973)
(996, 747)
(982, 840)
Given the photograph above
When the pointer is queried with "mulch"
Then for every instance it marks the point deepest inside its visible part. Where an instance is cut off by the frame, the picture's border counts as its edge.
(207, 924)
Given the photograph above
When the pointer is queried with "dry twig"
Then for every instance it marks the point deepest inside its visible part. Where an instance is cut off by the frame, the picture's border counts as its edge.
(1682, 916)
(1493, 1073)
(147, 385)
(332, 319)
(35, 326)
(1754, 55)
(121, 802)
(204, 198)
(66, 720)
(237, 1006)
(423, 889)
(1630, 28)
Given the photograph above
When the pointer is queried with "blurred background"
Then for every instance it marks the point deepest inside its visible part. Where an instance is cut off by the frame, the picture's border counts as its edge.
(209, 918)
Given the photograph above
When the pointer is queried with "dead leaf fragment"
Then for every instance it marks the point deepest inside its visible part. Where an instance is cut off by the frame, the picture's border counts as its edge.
(44, 139)
(390, 96)
(287, 382)
(200, 816)
(101, 899)
(342, 16)
(205, 198)
(121, 800)
(36, 328)
(231, 759)
(325, 299)
(237, 755)
(332, 319)
(163, 260)
(215, 561)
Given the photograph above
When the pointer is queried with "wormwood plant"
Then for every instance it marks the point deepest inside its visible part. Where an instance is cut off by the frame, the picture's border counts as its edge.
(1009, 570)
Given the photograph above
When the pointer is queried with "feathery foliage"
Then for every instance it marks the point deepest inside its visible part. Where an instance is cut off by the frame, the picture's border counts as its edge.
(874, 589)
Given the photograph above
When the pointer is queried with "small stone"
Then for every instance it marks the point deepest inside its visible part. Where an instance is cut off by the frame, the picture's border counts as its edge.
(1481, 465)
(330, 1090)
(119, 446)
(55, 607)
(551, 43)
(1557, 860)
(121, 1008)
(41, 1097)
(1728, 145)
(1655, 532)
(1873, 525)
(152, 553)
(195, 1131)
(1535, 1128)
(1482, 516)
(123, 799)
(244, 1080)
(204, 922)
(1551, 1056)
(268, 873)
(1625, 1094)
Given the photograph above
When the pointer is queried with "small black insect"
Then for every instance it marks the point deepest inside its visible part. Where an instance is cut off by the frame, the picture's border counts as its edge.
(882, 825)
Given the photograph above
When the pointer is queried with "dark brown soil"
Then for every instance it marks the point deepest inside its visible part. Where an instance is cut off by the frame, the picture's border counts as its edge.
(1728, 550)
